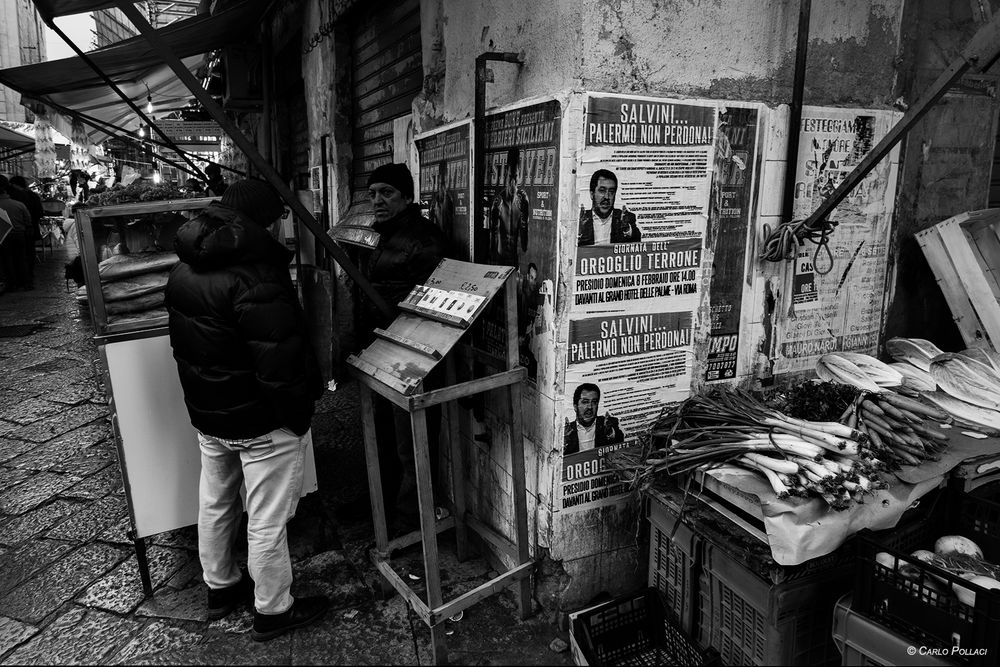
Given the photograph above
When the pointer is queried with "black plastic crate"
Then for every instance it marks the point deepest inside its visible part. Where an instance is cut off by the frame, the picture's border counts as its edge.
(918, 601)
(673, 562)
(751, 615)
(635, 629)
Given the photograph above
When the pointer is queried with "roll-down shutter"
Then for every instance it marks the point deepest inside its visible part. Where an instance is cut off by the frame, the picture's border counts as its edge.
(386, 75)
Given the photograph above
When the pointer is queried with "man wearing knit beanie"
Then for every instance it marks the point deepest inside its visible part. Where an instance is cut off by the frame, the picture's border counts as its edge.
(255, 199)
(250, 380)
(409, 249)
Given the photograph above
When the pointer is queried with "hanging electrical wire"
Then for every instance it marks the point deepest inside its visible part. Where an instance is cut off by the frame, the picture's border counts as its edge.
(783, 242)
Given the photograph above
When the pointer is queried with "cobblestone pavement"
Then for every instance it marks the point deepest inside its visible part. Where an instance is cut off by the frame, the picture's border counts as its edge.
(70, 591)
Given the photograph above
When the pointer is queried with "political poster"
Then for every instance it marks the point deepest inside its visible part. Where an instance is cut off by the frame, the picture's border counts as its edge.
(731, 204)
(837, 288)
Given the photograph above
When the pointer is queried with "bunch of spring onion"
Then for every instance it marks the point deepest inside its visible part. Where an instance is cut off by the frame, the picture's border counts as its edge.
(797, 457)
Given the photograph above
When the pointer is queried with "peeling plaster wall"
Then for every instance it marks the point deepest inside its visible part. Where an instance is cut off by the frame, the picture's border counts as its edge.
(728, 49)
(721, 49)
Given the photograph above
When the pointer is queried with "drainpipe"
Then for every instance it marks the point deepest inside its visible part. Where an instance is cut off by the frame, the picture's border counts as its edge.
(795, 112)
(482, 78)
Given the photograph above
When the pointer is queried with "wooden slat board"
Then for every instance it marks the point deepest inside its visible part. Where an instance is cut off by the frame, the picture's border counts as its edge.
(951, 287)
(964, 255)
(403, 366)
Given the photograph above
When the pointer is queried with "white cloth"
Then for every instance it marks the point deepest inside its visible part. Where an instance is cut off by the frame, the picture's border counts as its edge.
(271, 466)
(586, 435)
(602, 228)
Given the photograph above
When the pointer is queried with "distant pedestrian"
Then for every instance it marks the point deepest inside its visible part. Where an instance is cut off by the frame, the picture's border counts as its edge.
(12, 250)
(216, 184)
(250, 379)
(21, 192)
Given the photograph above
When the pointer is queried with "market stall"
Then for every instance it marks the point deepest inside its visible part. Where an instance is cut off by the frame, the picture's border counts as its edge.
(768, 513)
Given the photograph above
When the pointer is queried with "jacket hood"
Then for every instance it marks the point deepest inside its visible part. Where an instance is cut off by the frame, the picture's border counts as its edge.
(221, 236)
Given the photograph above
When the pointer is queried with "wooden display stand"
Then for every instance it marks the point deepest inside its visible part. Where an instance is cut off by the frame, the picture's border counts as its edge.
(394, 366)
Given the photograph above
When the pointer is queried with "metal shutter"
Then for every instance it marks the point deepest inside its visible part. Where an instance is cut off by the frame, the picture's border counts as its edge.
(387, 73)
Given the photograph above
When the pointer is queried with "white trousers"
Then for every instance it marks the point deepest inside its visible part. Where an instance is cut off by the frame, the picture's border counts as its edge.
(271, 467)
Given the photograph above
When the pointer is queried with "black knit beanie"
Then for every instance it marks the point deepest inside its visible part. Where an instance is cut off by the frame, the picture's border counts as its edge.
(397, 175)
(255, 199)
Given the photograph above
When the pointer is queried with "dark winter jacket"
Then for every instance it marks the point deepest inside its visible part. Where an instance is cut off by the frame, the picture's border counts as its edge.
(238, 333)
(409, 249)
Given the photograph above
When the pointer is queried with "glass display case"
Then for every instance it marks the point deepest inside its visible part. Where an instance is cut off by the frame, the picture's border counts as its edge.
(127, 253)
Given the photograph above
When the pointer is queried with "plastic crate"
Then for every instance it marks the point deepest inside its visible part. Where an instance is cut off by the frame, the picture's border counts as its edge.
(865, 643)
(744, 614)
(922, 605)
(633, 629)
(673, 562)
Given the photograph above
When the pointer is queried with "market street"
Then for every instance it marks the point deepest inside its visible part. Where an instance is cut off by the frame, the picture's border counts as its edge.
(70, 591)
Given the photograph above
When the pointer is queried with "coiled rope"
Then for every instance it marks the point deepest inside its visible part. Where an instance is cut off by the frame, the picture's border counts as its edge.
(782, 244)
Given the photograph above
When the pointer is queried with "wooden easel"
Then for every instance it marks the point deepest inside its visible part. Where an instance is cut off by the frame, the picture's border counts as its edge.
(394, 366)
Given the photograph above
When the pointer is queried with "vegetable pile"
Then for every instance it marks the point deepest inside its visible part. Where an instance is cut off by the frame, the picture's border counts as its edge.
(135, 192)
(962, 387)
(798, 457)
(954, 554)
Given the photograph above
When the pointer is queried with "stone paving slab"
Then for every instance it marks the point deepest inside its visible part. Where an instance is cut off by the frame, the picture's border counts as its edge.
(43, 594)
(87, 436)
(117, 533)
(183, 605)
(25, 412)
(86, 462)
(51, 427)
(155, 638)
(189, 575)
(23, 563)
(12, 448)
(105, 482)
(31, 357)
(12, 476)
(91, 521)
(78, 637)
(33, 491)
(13, 633)
(76, 393)
(28, 525)
(121, 591)
(43, 457)
(185, 537)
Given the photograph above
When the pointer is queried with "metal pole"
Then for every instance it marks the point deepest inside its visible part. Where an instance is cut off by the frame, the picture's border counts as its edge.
(795, 111)
(253, 155)
(479, 130)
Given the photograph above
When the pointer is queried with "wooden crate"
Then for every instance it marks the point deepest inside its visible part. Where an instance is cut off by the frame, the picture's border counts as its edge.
(964, 254)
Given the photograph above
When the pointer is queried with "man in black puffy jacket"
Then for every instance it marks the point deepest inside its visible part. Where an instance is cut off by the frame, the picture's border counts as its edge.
(409, 249)
(250, 379)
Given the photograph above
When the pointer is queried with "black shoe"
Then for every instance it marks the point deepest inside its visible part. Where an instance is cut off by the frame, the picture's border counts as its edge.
(302, 612)
(222, 601)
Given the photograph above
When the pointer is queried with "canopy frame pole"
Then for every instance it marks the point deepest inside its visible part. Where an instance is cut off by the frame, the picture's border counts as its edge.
(103, 125)
(125, 98)
(250, 150)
